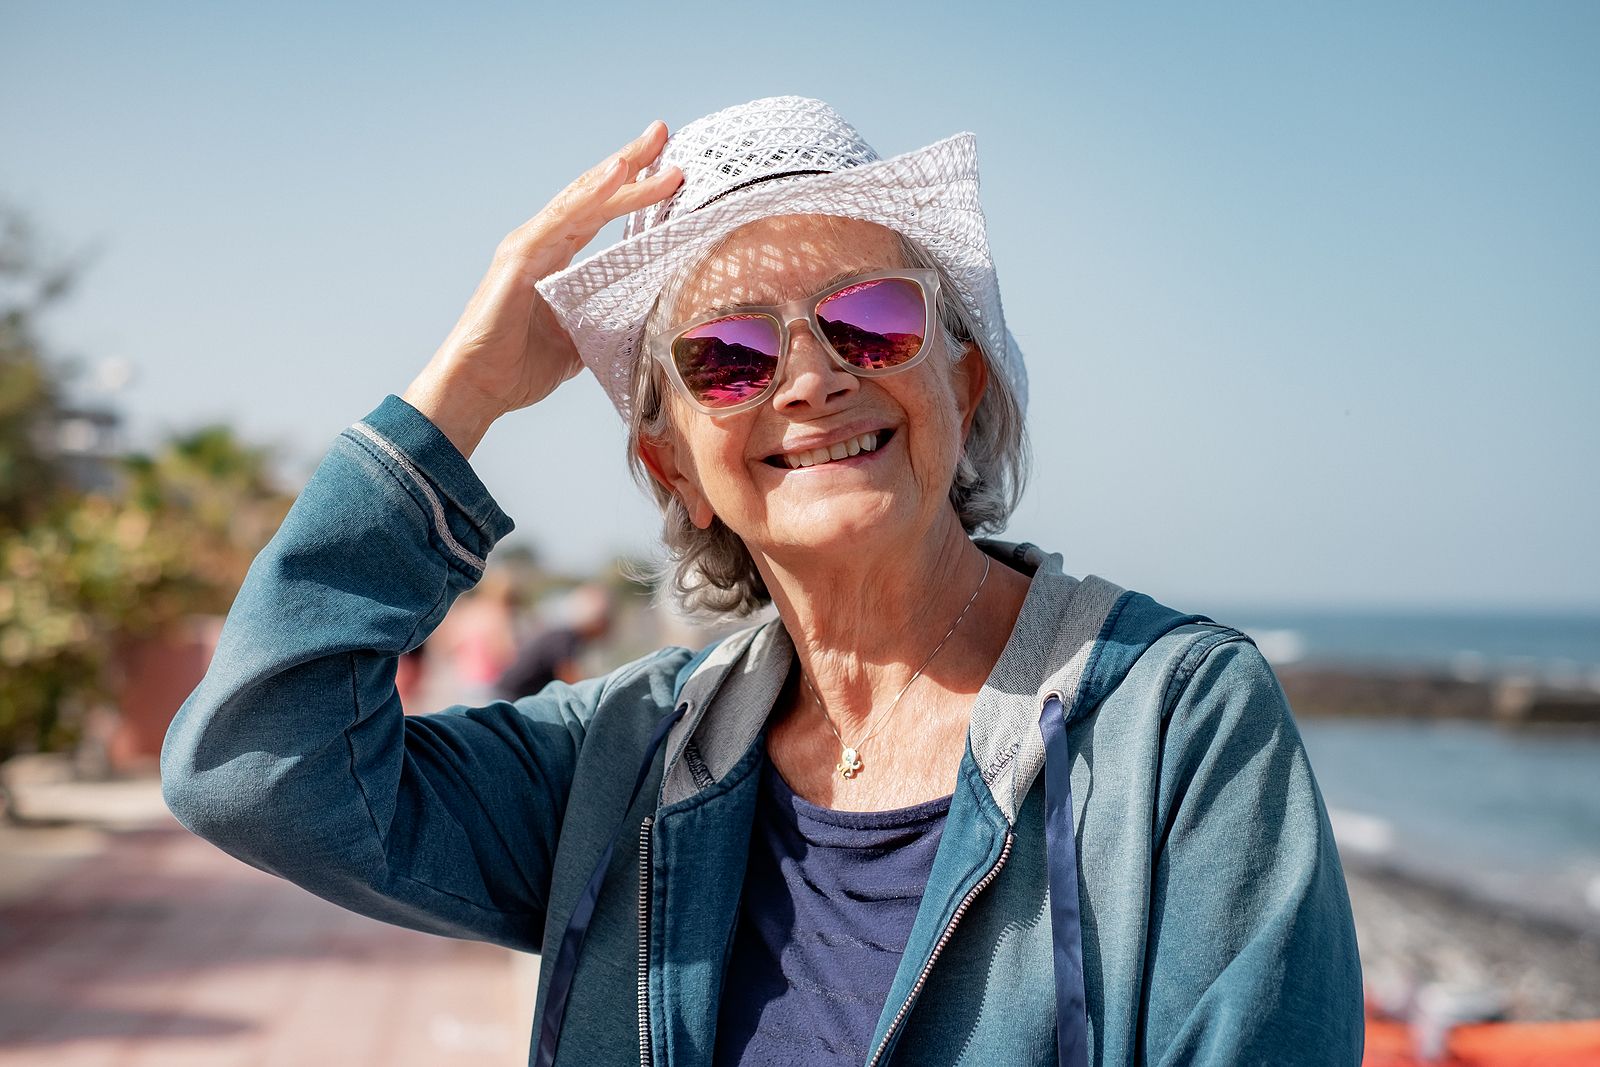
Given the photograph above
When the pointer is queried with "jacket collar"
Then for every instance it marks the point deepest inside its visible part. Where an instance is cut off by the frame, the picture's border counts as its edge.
(733, 691)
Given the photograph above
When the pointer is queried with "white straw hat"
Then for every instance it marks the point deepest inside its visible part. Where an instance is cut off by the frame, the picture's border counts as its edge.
(783, 155)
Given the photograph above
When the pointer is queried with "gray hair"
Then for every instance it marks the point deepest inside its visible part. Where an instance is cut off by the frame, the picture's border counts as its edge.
(710, 572)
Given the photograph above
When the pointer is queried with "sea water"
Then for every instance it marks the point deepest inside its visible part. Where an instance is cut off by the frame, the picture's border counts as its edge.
(1510, 815)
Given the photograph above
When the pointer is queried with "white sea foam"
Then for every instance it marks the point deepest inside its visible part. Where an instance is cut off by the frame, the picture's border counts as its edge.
(1280, 646)
(1469, 665)
(1591, 895)
(1360, 832)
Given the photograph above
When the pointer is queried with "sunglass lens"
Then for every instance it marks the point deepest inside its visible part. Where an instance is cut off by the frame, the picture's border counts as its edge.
(876, 324)
(727, 361)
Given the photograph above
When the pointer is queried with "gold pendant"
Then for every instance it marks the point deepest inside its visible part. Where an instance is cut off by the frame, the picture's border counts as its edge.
(849, 764)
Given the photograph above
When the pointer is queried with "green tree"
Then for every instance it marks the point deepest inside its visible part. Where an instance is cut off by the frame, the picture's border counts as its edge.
(83, 571)
(31, 474)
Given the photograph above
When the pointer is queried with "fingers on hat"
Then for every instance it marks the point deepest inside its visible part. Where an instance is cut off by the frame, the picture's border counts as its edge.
(643, 149)
(649, 189)
(629, 160)
(634, 192)
(656, 132)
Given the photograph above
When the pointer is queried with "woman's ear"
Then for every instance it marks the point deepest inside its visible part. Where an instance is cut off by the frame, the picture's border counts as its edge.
(970, 379)
(661, 458)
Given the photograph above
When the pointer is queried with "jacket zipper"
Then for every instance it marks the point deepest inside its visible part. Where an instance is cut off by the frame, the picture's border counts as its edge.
(645, 1056)
(938, 947)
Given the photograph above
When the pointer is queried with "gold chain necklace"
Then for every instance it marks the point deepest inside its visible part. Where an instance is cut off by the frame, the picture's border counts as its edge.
(849, 764)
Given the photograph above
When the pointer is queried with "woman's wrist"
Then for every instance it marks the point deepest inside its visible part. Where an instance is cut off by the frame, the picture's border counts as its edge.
(462, 418)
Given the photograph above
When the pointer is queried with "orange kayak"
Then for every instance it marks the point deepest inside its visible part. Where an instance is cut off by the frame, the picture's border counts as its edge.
(1535, 1044)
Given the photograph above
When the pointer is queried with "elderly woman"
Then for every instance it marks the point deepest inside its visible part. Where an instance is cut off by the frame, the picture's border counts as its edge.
(949, 805)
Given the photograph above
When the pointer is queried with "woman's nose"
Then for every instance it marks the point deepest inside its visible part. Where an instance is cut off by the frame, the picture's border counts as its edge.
(810, 376)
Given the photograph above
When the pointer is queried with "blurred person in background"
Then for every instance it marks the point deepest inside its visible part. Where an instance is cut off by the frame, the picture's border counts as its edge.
(582, 618)
(951, 805)
(475, 642)
(411, 679)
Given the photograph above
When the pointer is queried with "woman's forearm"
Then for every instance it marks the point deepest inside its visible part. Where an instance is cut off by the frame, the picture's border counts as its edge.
(460, 416)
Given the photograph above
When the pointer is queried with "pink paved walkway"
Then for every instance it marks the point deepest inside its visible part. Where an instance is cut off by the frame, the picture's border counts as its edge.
(162, 950)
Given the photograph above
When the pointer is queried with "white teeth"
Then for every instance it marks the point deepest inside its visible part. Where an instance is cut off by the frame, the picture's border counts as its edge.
(866, 442)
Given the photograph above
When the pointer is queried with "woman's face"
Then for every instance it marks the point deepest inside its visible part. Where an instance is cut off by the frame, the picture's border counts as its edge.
(733, 467)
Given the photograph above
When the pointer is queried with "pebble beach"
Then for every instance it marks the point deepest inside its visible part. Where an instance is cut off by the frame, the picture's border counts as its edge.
(1413, 934)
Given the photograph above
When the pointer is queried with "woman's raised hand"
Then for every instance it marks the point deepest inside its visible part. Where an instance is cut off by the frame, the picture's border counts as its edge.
(508, 351)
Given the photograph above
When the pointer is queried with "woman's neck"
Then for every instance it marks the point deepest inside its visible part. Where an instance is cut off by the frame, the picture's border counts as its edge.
(863, 623)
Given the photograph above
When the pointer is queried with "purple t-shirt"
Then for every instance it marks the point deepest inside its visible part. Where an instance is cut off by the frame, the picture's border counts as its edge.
(828, 902)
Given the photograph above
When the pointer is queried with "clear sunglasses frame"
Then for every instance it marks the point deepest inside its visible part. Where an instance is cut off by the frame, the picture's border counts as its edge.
(803, 309)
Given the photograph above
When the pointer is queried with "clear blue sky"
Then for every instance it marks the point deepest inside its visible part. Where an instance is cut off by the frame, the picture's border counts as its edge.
(1310, 294)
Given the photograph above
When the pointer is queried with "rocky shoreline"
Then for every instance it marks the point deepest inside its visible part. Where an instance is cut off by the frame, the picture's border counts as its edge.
(1414, 934)
(1347, 692)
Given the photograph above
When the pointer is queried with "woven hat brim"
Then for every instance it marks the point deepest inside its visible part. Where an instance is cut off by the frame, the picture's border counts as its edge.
(929, 195)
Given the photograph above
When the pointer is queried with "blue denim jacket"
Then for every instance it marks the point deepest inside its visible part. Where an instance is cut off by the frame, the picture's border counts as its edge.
(1214, 919)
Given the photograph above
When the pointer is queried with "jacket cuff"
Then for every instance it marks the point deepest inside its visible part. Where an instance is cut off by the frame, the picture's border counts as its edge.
(431, 452)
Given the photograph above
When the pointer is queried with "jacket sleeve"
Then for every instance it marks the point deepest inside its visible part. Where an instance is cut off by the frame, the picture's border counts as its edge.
(293, 753)
(1252, 954)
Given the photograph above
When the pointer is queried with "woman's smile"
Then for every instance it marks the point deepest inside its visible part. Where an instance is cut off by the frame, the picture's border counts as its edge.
(853, 451)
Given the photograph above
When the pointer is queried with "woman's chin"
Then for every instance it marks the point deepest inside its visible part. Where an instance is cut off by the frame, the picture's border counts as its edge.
(841, 523)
